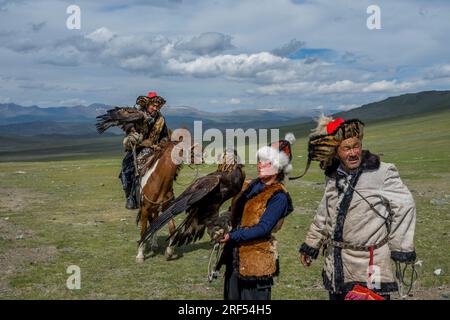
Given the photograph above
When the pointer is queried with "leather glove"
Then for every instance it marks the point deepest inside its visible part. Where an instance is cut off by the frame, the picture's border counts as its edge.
(217, 235)
(133, 138)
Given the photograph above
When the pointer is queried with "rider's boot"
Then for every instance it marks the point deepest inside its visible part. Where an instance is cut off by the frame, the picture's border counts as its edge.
(131, 203)
(132, 197)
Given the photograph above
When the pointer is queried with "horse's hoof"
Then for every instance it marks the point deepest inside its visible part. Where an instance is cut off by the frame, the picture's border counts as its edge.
(168, 254)
(139, 259)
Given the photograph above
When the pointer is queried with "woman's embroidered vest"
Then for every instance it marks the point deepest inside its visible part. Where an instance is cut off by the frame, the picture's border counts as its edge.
(258, 258)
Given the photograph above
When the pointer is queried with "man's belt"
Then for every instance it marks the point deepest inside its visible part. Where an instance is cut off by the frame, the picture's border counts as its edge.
(346, 245)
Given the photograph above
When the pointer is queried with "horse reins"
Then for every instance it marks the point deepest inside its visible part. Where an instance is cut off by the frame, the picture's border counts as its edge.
(216, 253)
(195, 177)
(160, 204)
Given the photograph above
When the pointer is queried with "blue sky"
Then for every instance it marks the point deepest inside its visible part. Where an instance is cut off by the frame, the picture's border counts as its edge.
(222, 55)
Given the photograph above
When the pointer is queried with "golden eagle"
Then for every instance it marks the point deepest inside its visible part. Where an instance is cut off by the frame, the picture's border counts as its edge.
(201, 201)
(125, 117)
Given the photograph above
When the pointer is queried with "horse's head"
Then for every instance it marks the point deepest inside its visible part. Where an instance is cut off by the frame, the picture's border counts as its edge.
(187, 153)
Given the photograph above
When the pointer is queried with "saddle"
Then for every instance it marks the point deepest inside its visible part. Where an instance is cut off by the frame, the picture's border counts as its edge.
(149, 155)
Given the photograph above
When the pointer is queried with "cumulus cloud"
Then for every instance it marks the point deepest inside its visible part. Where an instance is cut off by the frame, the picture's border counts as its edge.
(22, 45)
(207, 43)
(438, 72)
(238, 66)
(200, 56)
(385, 85)
(155, 55)
(289, 48)
(101, 35)
(341, 86)
(61, 56)
(179, 53)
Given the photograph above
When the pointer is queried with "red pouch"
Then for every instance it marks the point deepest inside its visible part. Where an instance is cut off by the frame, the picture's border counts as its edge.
(362, 293)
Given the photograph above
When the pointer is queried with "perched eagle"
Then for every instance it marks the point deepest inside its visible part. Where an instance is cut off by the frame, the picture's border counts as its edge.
(201, 201)
(125, 117)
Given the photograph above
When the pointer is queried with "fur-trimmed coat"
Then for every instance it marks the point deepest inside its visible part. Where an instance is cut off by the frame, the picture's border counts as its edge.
(255, 257)
(345, 217)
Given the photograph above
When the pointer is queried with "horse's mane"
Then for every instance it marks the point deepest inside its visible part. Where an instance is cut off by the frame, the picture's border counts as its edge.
(159, 152)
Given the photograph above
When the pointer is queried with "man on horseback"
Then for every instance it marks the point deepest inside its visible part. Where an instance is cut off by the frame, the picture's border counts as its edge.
(140, 144)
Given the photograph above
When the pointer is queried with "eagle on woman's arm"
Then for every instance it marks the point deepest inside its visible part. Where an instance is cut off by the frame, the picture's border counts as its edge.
(201, 201)
(125, 117)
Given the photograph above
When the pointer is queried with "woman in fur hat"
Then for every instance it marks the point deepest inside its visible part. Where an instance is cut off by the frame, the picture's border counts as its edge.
(250, 252)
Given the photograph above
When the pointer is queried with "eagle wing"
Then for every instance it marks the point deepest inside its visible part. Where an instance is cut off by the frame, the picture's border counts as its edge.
(119, 116)
(204, 215)
(188, 201)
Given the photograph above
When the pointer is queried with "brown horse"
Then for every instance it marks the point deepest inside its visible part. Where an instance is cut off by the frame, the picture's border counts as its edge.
(157, 192)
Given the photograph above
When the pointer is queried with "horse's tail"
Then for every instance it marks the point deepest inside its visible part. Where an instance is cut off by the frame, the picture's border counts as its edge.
(156, 225)
(138, 216)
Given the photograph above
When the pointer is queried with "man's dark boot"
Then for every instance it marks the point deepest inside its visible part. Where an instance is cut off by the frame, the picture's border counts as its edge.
(128, 181)
(131, 203)
(132, 197)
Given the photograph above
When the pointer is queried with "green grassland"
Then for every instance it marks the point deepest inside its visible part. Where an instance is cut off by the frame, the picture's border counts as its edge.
(54, 214)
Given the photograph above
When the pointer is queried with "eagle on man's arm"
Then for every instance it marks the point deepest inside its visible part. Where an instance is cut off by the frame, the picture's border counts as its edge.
(124, 117)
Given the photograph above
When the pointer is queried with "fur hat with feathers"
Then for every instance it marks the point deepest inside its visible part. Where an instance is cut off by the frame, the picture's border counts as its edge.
(326, 137)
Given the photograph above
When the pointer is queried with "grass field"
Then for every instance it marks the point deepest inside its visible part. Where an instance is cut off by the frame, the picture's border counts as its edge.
(59, 213)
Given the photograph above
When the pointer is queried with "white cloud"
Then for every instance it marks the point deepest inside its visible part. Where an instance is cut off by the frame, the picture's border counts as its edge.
(346, 107)
(207, 43)
(239, 66)
(293, 46)
(101, 35)
(438, 72)
(341, 86)
(385, 85)
(197, 56)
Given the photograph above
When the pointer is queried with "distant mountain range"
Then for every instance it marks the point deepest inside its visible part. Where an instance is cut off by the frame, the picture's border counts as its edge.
(80, 120)
(39, 134)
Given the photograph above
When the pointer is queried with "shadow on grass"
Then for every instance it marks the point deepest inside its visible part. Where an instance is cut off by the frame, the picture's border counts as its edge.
(178, 251)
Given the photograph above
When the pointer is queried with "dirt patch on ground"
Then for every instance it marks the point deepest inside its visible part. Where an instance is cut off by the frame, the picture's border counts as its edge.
(14, 199)
(15, 260)
(10, 231)
(440, 293)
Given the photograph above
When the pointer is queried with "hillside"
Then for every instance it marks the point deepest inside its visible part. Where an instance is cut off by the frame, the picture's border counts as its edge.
(61, 213)
(403, 106)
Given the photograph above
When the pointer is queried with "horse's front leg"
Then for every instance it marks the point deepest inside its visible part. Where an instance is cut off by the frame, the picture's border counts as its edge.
(170, 248)
(143, 221)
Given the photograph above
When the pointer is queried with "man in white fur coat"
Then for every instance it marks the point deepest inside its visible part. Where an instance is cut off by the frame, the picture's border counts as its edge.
(366, 217)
